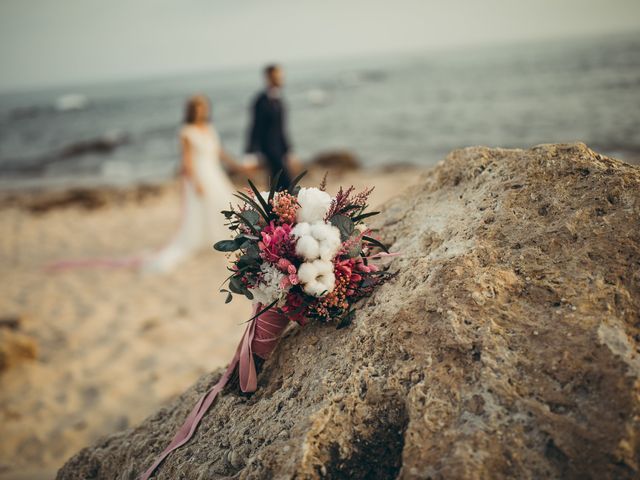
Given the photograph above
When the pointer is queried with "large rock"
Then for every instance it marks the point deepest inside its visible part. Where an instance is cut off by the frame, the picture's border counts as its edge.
(506, 347)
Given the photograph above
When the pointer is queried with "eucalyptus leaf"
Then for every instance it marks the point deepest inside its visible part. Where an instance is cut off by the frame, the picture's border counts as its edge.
(344, 224)
(252, 216)
(248, 222)
(354, 250)
(236, 285)
(252, 251)
(226, 246)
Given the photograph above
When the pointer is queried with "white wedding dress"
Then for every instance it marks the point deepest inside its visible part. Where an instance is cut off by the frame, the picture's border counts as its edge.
(201, 223)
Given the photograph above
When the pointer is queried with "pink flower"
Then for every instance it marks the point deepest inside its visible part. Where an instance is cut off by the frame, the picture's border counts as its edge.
(277, 242)
(285, 265)
(285, 283)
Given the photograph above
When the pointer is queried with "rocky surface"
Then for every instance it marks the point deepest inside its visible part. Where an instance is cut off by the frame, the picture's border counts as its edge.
(338, 160)
(506, 347)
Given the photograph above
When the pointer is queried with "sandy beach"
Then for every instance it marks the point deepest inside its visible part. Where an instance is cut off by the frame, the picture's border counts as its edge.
(110, 346)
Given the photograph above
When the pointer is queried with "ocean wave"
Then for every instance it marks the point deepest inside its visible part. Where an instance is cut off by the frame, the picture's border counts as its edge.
(62, 104)
(71, 101)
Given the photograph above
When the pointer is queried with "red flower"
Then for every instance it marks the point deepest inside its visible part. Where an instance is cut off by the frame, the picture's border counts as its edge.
(294, 308)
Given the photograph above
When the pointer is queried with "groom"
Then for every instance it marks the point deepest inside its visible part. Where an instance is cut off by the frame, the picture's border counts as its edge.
(267, 135)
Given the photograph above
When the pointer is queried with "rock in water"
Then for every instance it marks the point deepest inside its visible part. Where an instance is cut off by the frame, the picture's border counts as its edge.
(336, 161)
(505, 348)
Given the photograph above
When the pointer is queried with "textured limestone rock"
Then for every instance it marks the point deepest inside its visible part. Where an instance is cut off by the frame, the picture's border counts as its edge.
(507, 346)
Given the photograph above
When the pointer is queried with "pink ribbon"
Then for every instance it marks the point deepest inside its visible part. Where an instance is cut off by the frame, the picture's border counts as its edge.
(260, 337)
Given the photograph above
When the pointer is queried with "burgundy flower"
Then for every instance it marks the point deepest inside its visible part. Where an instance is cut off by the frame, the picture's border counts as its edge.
(294, 308)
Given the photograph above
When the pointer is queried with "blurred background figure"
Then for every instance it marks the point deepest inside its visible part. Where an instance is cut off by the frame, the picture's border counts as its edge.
(206, 188)
(268, 132)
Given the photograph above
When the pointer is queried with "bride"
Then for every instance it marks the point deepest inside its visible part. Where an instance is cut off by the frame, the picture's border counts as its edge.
(206, 190)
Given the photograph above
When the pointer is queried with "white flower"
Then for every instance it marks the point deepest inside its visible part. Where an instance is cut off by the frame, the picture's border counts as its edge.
(317, 277)
(317, 240)
(314, 205)
(269, 289)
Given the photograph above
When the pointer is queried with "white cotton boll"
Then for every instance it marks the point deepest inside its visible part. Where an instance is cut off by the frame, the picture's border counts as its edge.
(301, 229)
(307, 272)
(308, 247)
(317, 277)
(322, 231)
(319, 240)
(328, 238)
(314, 205)
(327, 251)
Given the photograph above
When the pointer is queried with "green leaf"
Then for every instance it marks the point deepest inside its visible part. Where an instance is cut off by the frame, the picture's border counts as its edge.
(274, 185)
(246, 261)
(253, 251)
(346, 320)
(375, 242)
(349, 207)
(265, 205)
(236, 285)
(226, 246)
(344, 224)
(354, 250)
(252, 216)
(294, 183)
(262, 311)
(361, 217)
(247, 199)
(229, 295)
(247, 221)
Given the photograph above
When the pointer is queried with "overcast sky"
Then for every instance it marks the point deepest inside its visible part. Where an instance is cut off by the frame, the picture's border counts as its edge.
(54, 42)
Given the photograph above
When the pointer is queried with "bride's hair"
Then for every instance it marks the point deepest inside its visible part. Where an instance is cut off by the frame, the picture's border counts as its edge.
(190, 108)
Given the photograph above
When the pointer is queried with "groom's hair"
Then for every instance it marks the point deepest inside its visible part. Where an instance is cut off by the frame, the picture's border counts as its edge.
(268, 70)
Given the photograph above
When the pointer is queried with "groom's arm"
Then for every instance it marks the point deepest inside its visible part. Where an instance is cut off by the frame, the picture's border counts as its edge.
(257, 115)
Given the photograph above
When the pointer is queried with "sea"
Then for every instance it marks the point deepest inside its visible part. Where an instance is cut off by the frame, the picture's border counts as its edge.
(392, 109)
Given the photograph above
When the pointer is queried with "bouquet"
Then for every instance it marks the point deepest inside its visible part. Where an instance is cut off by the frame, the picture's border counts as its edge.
(298, 254)
(303, 252)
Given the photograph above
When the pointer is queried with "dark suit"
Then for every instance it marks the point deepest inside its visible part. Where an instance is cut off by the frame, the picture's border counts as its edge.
(268, 135)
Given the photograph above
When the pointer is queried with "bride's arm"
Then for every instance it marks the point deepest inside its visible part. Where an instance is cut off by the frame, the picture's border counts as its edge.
(230, 162)
(187, 164)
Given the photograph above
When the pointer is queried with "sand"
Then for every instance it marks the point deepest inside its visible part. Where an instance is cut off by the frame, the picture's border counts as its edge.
(112, 345)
